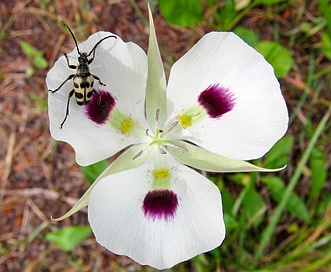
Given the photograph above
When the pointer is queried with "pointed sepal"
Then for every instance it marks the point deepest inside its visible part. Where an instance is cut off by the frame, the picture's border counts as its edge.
(202, 159)
(133, 157)
(156, 106)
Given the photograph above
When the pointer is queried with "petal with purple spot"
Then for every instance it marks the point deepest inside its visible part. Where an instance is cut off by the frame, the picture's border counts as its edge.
(216, 100)
(247, 90)
(114, 61)
(100, 106)
(159, 228)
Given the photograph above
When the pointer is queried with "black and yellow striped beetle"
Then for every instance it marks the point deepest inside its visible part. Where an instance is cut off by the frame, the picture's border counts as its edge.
(83, 79)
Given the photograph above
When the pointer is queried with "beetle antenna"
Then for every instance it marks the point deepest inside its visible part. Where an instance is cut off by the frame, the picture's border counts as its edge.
(72, 34)
(95, 46)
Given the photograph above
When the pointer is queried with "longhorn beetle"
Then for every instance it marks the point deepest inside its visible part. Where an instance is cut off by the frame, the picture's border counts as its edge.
(83, 79)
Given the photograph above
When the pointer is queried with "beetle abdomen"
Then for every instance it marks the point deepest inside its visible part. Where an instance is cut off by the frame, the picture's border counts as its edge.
(83, 89)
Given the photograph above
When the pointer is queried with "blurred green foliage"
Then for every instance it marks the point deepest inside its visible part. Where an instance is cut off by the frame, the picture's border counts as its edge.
(36, 56)
(68, 238)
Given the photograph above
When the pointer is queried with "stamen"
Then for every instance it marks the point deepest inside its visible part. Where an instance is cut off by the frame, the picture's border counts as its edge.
(181, 148)
(162, 151)
(176, 147)
(157, 115)
(147, 130)
(172, 126)
(138, 155)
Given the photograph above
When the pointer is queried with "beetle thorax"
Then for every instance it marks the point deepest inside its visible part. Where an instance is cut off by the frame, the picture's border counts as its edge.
(83, 70)
(83, 58)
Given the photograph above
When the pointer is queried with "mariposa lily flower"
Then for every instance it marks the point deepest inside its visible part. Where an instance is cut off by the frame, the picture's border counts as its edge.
(222, 105)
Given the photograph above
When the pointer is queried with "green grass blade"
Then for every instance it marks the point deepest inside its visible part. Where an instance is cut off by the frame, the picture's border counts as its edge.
(266, 235)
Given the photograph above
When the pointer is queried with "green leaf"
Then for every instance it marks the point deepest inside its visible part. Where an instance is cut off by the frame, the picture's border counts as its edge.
(326, 45)
(227, 14)
(325, 8)
(267, 2)
(182, 12)
(28, 49)
(227, 200)
(36, 99)
(230, 222)
(40, 62)
(248, 35)
(294, 205)
(278, 56)
(319, 173)
(36, 55)
(211, 3)
(68, 238)
(254, 205)
(92, 171)
(323, 205)
(279, 154)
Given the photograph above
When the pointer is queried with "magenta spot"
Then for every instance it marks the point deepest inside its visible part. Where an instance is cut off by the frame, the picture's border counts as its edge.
(100, 106)
(160, 204)
(216, 100)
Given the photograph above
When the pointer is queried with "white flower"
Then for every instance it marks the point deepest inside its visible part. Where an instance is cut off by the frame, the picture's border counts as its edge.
(222, 105)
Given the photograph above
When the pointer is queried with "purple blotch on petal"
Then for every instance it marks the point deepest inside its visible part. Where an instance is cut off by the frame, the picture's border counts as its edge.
(216, 100)
(160, 204)
(99, 108)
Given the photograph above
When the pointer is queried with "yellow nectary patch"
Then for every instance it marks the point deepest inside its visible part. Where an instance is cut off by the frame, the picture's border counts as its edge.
(161, 173)
(161, 179)
(185, 121)
(126, 126)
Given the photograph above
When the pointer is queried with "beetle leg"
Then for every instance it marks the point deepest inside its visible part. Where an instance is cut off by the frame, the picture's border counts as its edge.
(67, 111)
(96, 92)
(70, 65)
(98, 79)
(58, 88)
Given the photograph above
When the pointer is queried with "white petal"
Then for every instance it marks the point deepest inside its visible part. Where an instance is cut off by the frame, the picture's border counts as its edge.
(123, 68)
(118, 221)
(259, 117)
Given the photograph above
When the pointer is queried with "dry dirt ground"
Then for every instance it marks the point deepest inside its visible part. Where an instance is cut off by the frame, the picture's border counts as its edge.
(39, 177)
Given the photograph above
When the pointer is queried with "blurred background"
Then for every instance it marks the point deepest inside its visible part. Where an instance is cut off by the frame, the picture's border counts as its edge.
(275, 222)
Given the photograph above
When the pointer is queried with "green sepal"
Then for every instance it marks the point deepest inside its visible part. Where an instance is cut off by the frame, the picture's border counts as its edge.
(133, 157)
(202, 159)
(156, 81)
